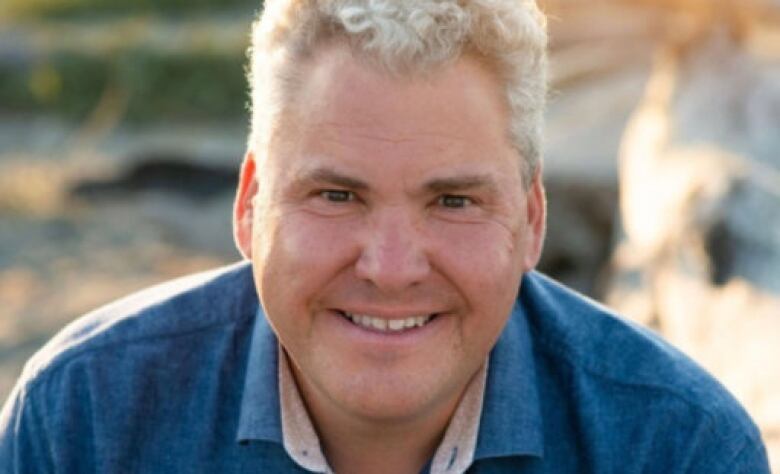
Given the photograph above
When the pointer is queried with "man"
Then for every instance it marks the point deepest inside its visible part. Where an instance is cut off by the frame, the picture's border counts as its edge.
(391, 206)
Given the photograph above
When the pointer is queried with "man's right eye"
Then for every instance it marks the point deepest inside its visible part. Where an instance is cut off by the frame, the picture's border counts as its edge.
(337, 195)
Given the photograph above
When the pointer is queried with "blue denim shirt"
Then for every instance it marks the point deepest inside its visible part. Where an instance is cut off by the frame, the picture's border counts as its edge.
(183, 378)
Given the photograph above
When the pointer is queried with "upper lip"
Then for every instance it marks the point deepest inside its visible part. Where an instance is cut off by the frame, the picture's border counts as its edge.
(389, 314)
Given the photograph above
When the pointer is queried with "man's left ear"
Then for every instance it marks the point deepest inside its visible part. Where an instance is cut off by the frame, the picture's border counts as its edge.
(243, 208)
(536, 212)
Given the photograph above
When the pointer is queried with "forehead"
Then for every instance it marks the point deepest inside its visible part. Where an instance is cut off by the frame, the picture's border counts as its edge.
(336, 82)
(346, 109)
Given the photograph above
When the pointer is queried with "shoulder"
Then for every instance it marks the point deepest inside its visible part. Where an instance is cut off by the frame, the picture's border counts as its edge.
(590, 337)
(185, 305)
(103, 385)
(620, 377)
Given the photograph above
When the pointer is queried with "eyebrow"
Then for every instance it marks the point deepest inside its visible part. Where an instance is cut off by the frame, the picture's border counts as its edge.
(326, 175)
(433, 186)
(460, 183)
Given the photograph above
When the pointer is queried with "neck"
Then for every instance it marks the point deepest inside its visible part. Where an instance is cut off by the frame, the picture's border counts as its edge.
(379, 453)
(356, 446)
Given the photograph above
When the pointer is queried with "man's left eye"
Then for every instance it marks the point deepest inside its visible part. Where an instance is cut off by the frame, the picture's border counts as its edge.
(455, 202)
(337, 195)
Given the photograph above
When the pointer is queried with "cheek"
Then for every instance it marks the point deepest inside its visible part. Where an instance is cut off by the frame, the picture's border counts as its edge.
(297, 254)
(315, 240)
(484, 262)
(480, 251)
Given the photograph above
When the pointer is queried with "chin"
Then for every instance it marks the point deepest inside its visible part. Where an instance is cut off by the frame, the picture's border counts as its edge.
(389, 407)
(387, 399)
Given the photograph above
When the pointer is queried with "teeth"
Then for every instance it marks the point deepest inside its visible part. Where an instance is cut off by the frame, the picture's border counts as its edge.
(385, 325)
(396, 324)
(380, 324)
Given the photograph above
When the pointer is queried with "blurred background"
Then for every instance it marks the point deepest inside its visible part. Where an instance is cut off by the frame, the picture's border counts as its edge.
(123, 123)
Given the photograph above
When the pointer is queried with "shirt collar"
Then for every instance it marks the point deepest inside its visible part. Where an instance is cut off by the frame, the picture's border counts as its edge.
(260, 410)
(456, 451)
(300, 440)
(511, 416)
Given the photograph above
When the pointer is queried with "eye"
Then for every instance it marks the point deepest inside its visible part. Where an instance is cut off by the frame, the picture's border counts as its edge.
(453, 201)
(337, 195)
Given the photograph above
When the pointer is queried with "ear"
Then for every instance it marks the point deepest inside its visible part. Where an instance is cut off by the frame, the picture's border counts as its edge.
(536, 213)
(243, 208)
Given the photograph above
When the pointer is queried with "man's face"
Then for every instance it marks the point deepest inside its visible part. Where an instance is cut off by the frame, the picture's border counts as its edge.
(389, 228)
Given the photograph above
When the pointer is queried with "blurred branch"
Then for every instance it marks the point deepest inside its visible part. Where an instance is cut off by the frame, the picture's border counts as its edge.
(104, 118)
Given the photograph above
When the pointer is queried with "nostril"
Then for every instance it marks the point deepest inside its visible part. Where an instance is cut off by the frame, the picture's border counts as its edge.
(393, 268)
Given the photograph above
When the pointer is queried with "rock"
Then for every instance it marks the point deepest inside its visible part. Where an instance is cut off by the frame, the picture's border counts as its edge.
(164, 173)
(699, 253)
(579, 230)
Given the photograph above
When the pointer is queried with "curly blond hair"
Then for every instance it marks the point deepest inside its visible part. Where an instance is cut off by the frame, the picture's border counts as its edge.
(405, 37)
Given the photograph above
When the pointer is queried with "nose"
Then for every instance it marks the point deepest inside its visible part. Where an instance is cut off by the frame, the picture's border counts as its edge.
(393, 255)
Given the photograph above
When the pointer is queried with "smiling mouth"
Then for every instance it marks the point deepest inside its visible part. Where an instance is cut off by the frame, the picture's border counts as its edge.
(387, 325)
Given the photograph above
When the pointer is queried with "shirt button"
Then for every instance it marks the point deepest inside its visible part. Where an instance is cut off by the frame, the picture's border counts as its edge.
(453, 456)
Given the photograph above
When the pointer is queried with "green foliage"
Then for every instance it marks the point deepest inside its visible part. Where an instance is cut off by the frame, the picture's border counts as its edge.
(70, 8)
(200, 86)
(70, 84)
(156, 85)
